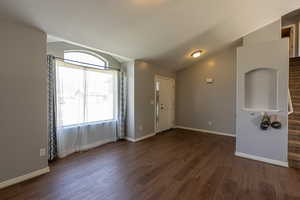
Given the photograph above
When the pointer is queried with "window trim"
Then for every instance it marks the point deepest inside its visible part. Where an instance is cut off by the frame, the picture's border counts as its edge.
(89, 123)
(89, 53)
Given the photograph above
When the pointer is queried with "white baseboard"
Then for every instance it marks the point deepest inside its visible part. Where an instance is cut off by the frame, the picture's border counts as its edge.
(205, 131)
(141, 138)
(262, 159)
(24, 177)
(129, 139)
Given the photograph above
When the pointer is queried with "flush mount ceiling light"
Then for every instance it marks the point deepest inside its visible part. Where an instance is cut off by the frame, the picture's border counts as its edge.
(196, 54)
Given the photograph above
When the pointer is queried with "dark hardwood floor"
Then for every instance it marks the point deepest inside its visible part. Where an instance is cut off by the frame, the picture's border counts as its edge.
(178, 164)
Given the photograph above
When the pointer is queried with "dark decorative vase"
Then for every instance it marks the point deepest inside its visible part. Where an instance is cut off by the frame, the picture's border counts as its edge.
(275, 122)
(265, 122)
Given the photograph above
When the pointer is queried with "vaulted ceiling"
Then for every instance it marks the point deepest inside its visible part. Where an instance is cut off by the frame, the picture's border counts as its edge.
(161, 31)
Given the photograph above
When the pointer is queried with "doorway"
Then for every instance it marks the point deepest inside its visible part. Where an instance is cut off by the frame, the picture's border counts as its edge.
(164, 103)
(289, 32)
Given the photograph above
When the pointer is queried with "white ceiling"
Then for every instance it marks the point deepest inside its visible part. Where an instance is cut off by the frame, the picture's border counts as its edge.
(161, 31)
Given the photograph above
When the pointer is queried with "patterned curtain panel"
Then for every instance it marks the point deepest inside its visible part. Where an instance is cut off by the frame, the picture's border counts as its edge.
(52, 137)
(121, 130)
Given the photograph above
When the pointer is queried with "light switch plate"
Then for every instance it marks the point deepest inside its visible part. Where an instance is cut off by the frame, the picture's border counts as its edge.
(209, 80)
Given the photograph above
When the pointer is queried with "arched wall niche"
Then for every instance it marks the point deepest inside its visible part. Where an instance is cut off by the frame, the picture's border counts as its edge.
(261, 89)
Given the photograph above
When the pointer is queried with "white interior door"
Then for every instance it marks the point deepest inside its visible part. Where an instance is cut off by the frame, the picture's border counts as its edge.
(165, 103)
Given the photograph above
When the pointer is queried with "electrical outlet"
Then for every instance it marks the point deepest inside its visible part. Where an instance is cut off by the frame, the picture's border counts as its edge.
(42, 152)
(210, 123)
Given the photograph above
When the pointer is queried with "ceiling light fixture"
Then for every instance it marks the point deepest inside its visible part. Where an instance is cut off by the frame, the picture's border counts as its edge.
(196, 54)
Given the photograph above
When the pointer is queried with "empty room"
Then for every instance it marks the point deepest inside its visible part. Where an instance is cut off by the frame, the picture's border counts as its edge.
(149, 99)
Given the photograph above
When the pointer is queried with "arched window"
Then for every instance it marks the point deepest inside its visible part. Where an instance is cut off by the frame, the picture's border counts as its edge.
(84, 58)
(85, 92)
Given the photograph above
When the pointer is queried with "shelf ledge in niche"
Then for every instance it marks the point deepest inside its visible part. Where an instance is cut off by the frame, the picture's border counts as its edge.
(260, 110)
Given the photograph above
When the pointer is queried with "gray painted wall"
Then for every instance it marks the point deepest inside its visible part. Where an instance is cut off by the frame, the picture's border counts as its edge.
(58, 49)
(251, 140)
(198, 103)
(263, 53)
(23, 103)
(144, 93)
(267, 33)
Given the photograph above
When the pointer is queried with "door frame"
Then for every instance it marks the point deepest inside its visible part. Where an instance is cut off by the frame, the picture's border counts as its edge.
(293, 28)
(298, 41)
(157, 77)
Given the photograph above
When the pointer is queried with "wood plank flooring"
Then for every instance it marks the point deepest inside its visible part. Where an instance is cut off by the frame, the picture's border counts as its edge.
(177, 164)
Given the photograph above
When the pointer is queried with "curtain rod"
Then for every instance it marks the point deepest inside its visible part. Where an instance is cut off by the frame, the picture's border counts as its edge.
(101, 67)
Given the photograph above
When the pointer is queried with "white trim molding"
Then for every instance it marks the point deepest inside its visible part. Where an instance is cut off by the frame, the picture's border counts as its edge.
(205, 131)
(262, 159)
(293, 27)
(156, 78)
(141, 138)
(25, 177)
(129, 139)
